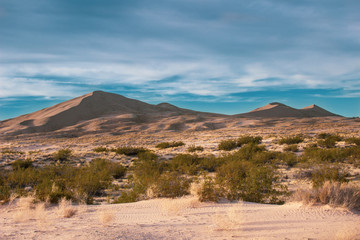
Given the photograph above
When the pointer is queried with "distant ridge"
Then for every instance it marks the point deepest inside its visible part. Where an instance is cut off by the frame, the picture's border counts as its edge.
(279, 110)
(100, 111)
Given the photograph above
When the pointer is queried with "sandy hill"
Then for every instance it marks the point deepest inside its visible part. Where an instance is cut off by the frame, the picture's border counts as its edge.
(279, 110)
(100, 112)
(91, 108)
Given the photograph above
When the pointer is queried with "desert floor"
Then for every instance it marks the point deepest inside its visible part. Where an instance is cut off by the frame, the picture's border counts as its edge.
(183, 218)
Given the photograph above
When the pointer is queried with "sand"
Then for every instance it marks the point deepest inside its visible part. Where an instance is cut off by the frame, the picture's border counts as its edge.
(184, 219)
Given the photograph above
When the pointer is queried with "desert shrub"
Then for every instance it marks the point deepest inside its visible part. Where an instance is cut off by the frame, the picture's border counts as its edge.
(185, 163)
(146, 170)
(249, 182)
(164, 145)
(353, 140)
(62, 155)
(333, 193)
(248, 151)
(329, 135)
(194, 148)
(318, 155)
(129, 151)
(21, 164)
(248, 139)
(227, 145)
(4, 189)
(209, 191)
(101, 149)
(331, 173)
(171, 185)
(114, 169)
(291, 148)
(210, 163)
(127, 197)
(288, 158)
(11, 151)
(291, 140)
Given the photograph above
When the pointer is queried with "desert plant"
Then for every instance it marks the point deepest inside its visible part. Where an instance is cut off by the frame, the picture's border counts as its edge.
(353, 140)
(227, 145)
(332, 173)
(291, 148)
(164, 145)
(101, 149)
(171, 185)
(129, 151)
(194, 148)
(185, 163)
(248, 139)
(209, 191)
(21, 164)
(246, 181)
(62, 155)
(332, 193)
(291, 140)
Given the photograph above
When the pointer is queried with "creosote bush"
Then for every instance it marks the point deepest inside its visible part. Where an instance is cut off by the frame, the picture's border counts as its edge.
(129, 151)
(62, 155)
(324, 173)
(101, 149)
(194, 148)
(353, 140)
(291, 140)
(164, 145)
(291, 148)
(227, 145)
(248, 139)
(21, 164)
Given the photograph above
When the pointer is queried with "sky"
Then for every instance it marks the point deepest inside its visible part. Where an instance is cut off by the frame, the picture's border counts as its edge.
(225, 56)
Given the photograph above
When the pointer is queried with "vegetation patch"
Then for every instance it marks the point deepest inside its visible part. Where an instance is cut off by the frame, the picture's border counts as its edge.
(164, 145)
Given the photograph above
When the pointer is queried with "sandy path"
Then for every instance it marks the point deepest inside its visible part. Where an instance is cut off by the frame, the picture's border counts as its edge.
(183, 219)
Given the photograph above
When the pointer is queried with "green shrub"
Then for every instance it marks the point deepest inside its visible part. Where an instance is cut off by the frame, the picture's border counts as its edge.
(127, 197)
(194, 148)
(331, 173)
(209, 191)
(288, 158)
(227, 145)
(329, 135)
(185, 163)
(249, 182)
(164, 145)
(129, 151)
(171, 185)
(62, 155)
(248, 139)
(21, 164)
(291, 148)
(291, 140)
(101, 149)
(318, 155)
(210, 163)
(353, 140)
(11, 151)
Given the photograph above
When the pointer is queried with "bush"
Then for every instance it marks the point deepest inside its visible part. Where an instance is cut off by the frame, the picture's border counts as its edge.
(101, 149)
(62, 155)
(129, 151)
(227, 145)
(127, 197)
(288, 158)
(332, 193)
(248, 139)
(353, 140)
(164, 145)
(246, 181)
(291, 140)
(291, 148)
(185, 163)
(21, 164)
(321, 174)
(194, 148)
(329, 135)
(171, 185)
(208, 191)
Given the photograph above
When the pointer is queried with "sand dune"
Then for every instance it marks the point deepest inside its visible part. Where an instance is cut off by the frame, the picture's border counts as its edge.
(105, 112)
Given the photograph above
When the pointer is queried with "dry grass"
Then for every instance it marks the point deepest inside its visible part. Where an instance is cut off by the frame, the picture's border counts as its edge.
(66, 209)
(25, 207)
(105, 217)
(231, 220)
(334, 194)
(179, 205)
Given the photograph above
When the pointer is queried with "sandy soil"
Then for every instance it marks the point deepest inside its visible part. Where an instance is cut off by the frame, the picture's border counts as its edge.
(181, 219)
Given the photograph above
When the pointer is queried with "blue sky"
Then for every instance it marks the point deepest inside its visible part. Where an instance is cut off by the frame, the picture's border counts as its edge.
(221, 56)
